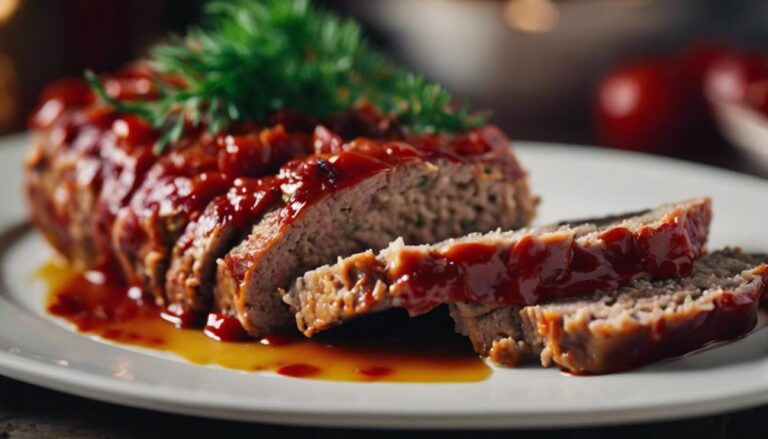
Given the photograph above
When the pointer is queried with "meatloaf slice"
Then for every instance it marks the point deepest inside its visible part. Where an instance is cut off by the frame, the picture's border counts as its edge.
(192, 273)
(421, 201)
(505, 268)
(637, 324)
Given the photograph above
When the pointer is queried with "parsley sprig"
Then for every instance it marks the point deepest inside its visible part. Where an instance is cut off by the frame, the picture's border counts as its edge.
(252, 58)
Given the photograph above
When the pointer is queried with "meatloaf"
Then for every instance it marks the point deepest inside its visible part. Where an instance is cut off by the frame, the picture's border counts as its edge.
(505, 268)
(421, 201)
(636, 324)
(218, 223)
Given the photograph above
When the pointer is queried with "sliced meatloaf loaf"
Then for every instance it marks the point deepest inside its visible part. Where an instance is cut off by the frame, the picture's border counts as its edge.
(505, 268)
(426, 190)
(637, 324)
(105, 199)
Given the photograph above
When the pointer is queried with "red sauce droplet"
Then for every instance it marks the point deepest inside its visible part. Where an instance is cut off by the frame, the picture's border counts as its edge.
(375, 371)
(224, 328)
(299, 370)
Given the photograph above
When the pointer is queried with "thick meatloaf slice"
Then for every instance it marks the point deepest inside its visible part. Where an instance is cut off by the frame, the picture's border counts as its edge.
(519, 267)
(637, 324)
(420, 201)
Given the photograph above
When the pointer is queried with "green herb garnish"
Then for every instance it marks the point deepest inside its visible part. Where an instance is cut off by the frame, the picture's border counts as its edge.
(252, 58)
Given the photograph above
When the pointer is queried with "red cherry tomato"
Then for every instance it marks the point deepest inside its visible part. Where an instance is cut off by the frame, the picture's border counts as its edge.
(639, 106)
(728, 77)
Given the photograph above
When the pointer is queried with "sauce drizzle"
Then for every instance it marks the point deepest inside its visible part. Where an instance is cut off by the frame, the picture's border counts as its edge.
(389, 347)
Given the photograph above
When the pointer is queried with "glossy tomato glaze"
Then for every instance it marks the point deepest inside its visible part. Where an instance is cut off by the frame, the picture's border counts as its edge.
(409, 350)
(549, 266)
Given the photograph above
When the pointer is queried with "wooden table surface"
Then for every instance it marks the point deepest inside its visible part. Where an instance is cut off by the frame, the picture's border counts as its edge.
(31, 412)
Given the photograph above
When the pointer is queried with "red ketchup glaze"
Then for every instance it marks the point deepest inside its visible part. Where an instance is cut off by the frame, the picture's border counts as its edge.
(124, 163)
(181, 181)
(221, 327)
(487, 143)
(375, 371)
(97, 300)
(306, 181)
(131, 85)
(299, 370)
(93, 301)
(541, 268)
(261, 153)
(416, 350)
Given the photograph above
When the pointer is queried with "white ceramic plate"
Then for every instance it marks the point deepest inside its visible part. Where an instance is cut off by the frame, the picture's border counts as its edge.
(574, 182)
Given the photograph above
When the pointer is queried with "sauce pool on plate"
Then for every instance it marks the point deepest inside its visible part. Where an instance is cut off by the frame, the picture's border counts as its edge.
(388, 347)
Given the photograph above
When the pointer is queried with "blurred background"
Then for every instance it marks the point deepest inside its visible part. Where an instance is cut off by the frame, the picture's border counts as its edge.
(675, 77)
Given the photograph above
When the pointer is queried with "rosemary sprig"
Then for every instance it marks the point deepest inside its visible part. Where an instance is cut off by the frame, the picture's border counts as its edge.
(252, 58)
